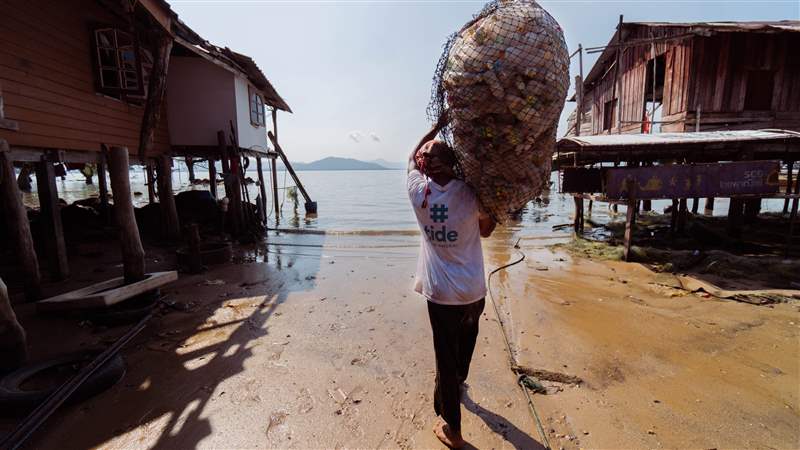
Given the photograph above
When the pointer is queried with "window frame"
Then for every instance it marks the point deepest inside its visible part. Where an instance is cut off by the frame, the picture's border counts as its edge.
(256, 107)
(99, 68)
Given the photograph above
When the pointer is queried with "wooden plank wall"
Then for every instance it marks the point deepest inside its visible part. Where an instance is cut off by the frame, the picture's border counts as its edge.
(633, 75)
(722, 63)
(47, 74)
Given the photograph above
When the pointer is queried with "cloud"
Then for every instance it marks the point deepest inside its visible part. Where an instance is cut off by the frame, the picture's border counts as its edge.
(356, 136)
(374, 137)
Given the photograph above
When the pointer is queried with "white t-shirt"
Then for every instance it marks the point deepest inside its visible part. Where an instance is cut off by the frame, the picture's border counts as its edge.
(450, 265)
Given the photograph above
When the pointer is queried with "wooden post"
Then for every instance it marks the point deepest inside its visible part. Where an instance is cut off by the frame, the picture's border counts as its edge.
(157, 87)
(790, 168)
(653, 105)
(102, 182)
(579, 91)
(673, 222)
(735, 217)
(195, 262)
(212, 177)
(20, 230)
(51, 218)
(189, 161)
(695, 205)
(151, 182)
(169, 213)
(578, 223)
(709, 210)
(630, 220)
(792, 220)
(752, 208)
(226, 168)
(616, 77)
(682, 213)
(131, 243)
(275, 189)
(262, 189)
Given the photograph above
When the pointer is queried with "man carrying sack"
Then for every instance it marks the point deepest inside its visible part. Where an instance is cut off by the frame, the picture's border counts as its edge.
(450, 272)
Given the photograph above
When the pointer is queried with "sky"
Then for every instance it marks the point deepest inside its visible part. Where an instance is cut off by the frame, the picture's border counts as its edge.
(357, 74)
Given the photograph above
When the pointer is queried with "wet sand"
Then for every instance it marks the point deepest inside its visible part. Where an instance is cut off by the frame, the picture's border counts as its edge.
(321, 343)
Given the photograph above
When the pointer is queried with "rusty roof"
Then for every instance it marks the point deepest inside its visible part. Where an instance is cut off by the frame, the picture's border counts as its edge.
(617, 142)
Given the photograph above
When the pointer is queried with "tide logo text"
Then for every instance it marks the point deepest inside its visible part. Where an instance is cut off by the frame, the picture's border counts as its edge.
(441, 234)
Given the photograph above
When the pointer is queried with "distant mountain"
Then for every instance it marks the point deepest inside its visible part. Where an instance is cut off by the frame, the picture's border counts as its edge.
(390, 164)
(335, 163)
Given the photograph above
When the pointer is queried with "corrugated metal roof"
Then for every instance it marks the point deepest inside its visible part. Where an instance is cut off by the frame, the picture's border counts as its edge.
(599, 142)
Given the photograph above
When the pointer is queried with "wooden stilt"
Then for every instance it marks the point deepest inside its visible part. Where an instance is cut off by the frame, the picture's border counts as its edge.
(578, 223)
(682, 215)
(709, 210)
(630, 221)
(151, 183)
(790, 169)
(792, 220)
(589, 208)
(51, 218)
(212, 177)
(17, 221)
(673, 222)
(275, 189)
(752, 208)
(262, 190)
(166, 198)
(695, 205)
(222, 145)
(735, 210)
(102, 182)
(132, 250)
(189, 161)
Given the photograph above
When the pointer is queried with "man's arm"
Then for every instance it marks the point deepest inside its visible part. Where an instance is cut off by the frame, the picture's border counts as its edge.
(437, 127)
(486, 225)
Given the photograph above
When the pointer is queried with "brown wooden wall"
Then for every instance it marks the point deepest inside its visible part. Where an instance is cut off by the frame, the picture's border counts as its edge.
(722, 64)
(47, 73)
(710, 73)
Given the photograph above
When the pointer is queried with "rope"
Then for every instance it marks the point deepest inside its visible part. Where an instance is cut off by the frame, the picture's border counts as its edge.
(511, 361)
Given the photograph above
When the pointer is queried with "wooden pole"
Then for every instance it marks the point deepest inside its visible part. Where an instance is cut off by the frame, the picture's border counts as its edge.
(682, 213)
(51, 218)
(735, 217)
(212, 177)
(630, 220)
(157, 87)
(277, 206)
(222, 144)
(151, 182)
(166, 198)
(20, 230)
(709, 210)
(790, 169)
(616, 77)
(653, 104)
(695, 205)
(102, 182)
(262, 189)
(579, 91)
(673, 222)
(578, 223)
(189, 161)
(130, 242)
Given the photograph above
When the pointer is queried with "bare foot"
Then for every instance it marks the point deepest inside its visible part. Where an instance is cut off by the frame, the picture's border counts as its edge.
(448, 437)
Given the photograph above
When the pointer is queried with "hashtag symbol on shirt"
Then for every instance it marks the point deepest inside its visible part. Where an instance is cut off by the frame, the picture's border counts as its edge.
(439, 213)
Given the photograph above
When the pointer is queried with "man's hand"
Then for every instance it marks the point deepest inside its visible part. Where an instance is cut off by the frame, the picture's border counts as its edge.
(486, 225)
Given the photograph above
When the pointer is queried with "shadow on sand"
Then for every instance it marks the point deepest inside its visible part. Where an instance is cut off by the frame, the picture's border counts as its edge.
(498, 424)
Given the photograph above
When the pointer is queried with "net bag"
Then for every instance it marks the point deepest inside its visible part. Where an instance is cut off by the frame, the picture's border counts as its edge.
(504, 79)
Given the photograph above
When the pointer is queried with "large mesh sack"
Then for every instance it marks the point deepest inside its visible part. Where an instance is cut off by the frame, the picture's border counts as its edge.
(504, 79)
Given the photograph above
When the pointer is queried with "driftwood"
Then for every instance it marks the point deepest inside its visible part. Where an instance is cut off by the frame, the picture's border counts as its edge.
(132, 250)
(19, 228)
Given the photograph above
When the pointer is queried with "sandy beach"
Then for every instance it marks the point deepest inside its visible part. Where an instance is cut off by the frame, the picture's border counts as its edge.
(320, 342)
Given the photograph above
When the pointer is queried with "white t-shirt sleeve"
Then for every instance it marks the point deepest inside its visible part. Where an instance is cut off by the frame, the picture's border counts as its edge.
(416, 185)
